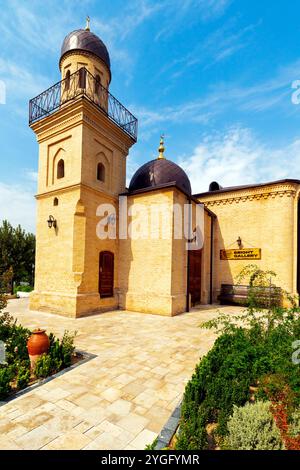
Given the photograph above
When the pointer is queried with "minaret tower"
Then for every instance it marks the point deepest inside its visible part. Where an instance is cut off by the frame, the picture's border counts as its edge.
(84, 136)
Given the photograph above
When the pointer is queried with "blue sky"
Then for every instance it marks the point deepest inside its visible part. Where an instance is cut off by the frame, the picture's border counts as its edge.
(214, 76)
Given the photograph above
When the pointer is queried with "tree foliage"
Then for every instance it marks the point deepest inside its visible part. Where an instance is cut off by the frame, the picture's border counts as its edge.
(17, 252)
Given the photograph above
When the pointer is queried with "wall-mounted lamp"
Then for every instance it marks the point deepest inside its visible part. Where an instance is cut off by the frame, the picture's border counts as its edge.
(51, 222)
(239, 242)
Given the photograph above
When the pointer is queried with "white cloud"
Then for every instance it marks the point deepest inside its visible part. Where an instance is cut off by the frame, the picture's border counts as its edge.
(31, 175)
(238, 157)
(39, 28)
(20, 82)
(17, 206)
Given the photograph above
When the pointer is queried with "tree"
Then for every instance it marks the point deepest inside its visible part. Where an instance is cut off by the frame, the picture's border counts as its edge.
(17, 251)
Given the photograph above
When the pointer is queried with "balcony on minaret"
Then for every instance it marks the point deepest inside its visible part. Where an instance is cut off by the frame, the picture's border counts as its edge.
(82, 85)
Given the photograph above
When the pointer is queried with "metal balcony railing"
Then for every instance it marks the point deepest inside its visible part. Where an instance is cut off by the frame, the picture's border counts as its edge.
(82, 83)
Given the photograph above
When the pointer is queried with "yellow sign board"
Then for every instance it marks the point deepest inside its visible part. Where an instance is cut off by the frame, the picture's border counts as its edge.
(241, 253)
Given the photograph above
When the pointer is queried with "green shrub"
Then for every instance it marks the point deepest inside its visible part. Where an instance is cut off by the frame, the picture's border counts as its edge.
(59, 355)
(23, 377)
(252, 427)
(294, 428)
(221, 380)
(23, 289)
(43, 367)
(17, 367)
(7, 323)
(67, 347)
(240, 357)
(6, 376)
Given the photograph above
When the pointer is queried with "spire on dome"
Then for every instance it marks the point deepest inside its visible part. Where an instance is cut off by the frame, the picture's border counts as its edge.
(161, 149)
(88, 21)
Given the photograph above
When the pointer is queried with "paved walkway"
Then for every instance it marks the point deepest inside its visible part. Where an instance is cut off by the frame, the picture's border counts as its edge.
(118, 400)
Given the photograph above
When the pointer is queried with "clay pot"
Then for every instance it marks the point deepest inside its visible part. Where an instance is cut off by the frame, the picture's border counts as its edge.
(37, 344)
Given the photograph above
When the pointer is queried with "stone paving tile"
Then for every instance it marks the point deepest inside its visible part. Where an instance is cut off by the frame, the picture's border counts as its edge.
(133, 423)
(111, 394)
(36, 438)
(63, 422)
(33, 419)
(6, 443)
(120, 407)
(16, 431)
(107, 441)
(73, 440)
(119, 399)
(143, 439)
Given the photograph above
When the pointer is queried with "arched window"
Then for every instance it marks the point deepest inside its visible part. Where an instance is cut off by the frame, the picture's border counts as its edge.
(82, 77)
(67, 80)
(55, 201)
(60, 169)
(97, 85)
(101, 172)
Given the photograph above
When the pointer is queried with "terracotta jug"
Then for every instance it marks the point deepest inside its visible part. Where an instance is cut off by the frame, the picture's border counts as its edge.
(37, 344)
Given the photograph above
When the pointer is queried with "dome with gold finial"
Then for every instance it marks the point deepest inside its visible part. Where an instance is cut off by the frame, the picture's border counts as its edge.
(83, 40)
(160, 172)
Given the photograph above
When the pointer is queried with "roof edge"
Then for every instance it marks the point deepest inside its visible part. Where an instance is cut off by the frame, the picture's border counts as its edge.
(171, 184)
(248, 186)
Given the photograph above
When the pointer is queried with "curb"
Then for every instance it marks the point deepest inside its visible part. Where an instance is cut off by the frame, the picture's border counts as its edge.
(168, 431)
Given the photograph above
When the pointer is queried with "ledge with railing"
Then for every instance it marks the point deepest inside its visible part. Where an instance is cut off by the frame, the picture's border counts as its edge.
(82, 83)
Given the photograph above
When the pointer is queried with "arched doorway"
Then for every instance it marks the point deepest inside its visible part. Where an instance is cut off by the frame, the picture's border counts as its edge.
(106, 274)
(195, 259)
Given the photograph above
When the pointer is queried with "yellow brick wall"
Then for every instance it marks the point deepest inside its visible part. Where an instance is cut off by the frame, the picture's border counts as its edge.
(153, 273)
(179, 260)
(146, 264)
(67, 259)
(264, 218)
(54, 253)
(74, 61)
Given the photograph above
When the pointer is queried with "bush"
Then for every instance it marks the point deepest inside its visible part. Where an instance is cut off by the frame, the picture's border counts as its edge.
(67, 347)
(16, 371)
(221, 380)
(294, 429)
(60, 355)
(43, 367)
(6, 376)
(22, 289)
(252, 427)
(55, 353)
(23, 377)
(254, 349)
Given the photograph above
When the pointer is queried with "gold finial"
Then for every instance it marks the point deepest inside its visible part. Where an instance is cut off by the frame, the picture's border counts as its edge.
(88, 20)
(161, 148)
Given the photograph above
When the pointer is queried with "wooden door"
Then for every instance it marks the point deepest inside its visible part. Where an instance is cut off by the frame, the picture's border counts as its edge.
(106, 274)
(195, 257)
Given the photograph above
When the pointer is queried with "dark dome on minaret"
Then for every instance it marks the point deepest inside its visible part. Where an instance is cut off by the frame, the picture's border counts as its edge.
(160, 172)
(83, 40)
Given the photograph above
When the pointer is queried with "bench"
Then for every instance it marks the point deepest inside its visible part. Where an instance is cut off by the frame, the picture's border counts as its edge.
(232, 294)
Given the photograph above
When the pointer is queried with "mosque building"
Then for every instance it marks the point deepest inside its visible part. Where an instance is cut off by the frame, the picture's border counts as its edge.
(84, 135)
